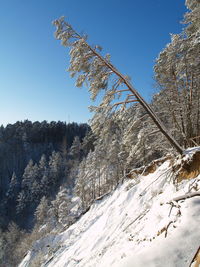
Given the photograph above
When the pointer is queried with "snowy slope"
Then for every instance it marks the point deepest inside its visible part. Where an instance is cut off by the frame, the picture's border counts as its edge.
(134, 226)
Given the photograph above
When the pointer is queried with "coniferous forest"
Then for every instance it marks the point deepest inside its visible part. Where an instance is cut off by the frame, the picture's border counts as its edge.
(51, 173)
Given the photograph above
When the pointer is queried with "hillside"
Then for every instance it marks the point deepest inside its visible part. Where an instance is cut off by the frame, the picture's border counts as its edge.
(143, 222)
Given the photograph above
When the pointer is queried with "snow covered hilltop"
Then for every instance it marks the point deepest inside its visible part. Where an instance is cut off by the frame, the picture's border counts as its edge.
(149, 220)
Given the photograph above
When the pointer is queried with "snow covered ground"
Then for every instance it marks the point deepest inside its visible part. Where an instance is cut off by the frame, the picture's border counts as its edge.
(137, 225)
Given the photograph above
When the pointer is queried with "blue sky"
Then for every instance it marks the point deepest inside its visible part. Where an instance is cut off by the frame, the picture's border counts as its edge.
(33, 82)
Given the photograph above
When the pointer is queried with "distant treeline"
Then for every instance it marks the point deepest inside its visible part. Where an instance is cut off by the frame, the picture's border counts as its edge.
(27, 140)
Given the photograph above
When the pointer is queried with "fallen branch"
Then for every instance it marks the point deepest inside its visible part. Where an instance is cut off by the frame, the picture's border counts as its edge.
(137, 218)
(189, 195)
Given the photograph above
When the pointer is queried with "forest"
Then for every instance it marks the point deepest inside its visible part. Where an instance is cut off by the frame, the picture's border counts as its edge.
(35, 161)
(51, 173)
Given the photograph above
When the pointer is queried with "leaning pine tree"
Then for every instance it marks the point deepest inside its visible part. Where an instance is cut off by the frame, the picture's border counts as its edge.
(99, 74)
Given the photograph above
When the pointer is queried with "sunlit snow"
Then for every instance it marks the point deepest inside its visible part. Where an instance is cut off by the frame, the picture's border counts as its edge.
(135, 226)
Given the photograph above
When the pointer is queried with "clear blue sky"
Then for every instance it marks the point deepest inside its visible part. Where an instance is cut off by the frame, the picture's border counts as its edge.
(33, 82)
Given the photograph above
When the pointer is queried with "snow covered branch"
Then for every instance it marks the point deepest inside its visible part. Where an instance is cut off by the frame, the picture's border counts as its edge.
(183, 197)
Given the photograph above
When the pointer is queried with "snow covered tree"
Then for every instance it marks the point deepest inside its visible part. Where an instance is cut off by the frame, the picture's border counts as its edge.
(63, 199)
(41, 213)
(81, 184)
(88, 143)
(27, 178)
(11, 240)
(91, 177)
(59, 211)
(100, 75)
(75, 149)
(21, 202)
(2, 246)
(31, 184)
(177, 72)
(13, 187)
(74, 160)
(43, 165)
(114, 161)
(36, 192)
(13, 233)
(45, 184)
(55, 169)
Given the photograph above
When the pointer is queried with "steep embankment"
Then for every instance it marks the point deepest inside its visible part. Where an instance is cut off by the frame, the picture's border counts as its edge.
(140, 224)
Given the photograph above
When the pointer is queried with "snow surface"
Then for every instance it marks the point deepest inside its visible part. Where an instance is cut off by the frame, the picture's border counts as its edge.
(128, 228)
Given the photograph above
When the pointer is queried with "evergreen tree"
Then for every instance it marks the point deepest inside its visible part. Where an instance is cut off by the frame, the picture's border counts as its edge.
(81, 181)
(28, 177)
(13, 187)
(22, 201)
(2, 246)
(43, 165)
(75, 149)
(64, 205)
(114, 163)
(12, 238)
(55, 169)
(41, 213)
(177, 74)
(88, 143)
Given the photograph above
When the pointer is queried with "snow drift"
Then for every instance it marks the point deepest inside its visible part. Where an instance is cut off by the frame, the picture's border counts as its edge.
(139, 224)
